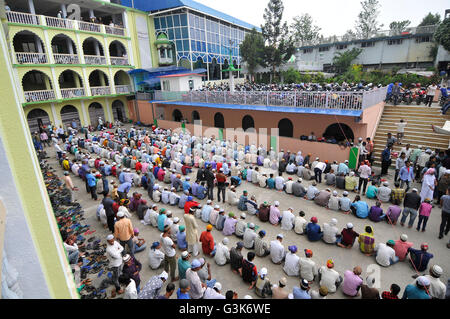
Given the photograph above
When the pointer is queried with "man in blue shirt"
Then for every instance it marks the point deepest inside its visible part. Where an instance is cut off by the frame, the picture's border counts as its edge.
(302, 292)
(181, 238)
(123, 190)
(271, 182)
(360, 208)
(343, 168)
(242, 205)
(186, 185)
(420, 258)
(313, 230)
(201, 191)
(406, 175)
(386, 159)
(419, 290)
(92, 184)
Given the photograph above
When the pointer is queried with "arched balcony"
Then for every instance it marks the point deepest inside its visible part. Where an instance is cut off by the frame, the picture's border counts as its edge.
(29, 48)
(37, 87)
(64, 50)
(71, 84)
(118, 54)
(93, 52)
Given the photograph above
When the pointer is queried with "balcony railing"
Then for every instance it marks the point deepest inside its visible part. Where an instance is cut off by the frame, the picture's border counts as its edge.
(100, 90)
(119, 61)
(21, 17)
(114, 30)
(87, 26)
(318, 100)
(31, 58)
(71, 93)
(42, 95)
(65, 58)
(94, 59)
(121, 89)
(60, 23)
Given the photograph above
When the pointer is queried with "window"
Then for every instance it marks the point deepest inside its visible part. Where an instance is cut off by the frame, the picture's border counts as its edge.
(395, 42)
(169, 21)
(171, 34)
(177, 33)
(163, 22)
(176, 20)
(423, 39)
(184, 33)
(157, 26)
(183, 20)
(341, 46)
(309, 50)
(367, 44)
(166, 85)
(322, 49)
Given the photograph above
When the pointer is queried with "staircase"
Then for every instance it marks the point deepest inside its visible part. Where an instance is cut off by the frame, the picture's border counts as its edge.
(417, 132)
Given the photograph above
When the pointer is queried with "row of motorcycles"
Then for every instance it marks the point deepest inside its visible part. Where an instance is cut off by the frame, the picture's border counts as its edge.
(415, 95)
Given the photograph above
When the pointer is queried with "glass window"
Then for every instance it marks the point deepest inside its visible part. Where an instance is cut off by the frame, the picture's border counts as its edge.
(202, 23)
(186, 45)
(183, 20)
(157, 25)
(176, 20)
(171, 34)
(197, 22)
(202, 35)
(191, 19)
(203, 47)
(163, 23)
(193, 45)
(179, 45)
(199, 46)
(208, 25)
(184, 33)
(192, 33)
(169, 21)
(177, 33)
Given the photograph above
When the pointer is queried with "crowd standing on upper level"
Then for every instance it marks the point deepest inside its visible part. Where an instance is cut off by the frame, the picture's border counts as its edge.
(158, 161)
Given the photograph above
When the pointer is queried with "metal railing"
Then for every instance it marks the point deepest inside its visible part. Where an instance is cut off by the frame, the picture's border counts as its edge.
(119, 60)
(65, 58)
(42, 95)
(100, 90)
(318, 100)
(31, 58)
(121, 89)
(60, 23)
(23, 18)
(95, 59)
(87, 26)
(71, 93)
(114, 30)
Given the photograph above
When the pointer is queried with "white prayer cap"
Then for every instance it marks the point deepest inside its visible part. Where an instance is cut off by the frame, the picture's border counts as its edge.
(110, 237)
(335, 193)
(263, 272)
(164, 275)
(120, 214)
(276, 203)
(225, 241)
(218, 286)
(248, 297)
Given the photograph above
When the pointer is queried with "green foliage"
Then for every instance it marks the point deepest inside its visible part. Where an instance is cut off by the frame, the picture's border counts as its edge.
(304, 31)
(343, 60)
(399, 26)
(442, 34)
(252, 50)
(430, 19)
(291, 76)
(367, 24)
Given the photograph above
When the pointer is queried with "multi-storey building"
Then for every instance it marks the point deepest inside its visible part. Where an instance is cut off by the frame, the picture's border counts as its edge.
(71, 58)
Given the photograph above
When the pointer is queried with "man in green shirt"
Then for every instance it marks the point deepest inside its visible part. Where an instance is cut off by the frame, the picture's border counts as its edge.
(183, 264)
(372, 191)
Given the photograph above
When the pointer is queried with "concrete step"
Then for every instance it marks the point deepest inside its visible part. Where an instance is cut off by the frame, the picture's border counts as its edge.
(383, 130)
(426, 136)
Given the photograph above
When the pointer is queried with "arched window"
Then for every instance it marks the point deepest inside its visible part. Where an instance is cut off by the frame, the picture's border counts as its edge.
(177, 116)
(69, 113)
(219, 120)
(36, 119)
(286, 128)
(247, 122)
(195, 116)
(339, 131)
(96, 111)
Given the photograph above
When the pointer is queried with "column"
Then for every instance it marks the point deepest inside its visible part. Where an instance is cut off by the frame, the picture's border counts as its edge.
(97, 48)
(189, 37)
(64, 10)
(77, 81)
(38, 44)
(108, 114)
(91, 13)
(31, 6)
(56, 87)
(102, 80)
(56, 116)
(69, 45)
(87, 87)
(80, 48)
(48, 46)
(112, 84)
(85, 116)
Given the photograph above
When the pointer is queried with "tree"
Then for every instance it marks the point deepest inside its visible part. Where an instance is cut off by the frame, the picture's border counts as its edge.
(442, 34)
(349, 35)
(304, 31)
(279, 45)
(343, 60)
(252, 50)
(367, 23)
(292, 76)
(399, 26)
(430, 19)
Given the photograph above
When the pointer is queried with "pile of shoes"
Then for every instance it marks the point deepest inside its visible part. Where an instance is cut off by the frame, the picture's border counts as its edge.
(93, 263)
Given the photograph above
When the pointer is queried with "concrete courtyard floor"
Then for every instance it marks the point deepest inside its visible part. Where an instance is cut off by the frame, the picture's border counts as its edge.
(344, 259)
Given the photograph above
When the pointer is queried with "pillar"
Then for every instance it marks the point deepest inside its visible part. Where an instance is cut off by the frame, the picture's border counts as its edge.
(102, 79)
(47, 83)
(38, 44)
(97, 48)
(76, 80)
(31, 7)
(69, 45)
(91, 13)
(64, 10)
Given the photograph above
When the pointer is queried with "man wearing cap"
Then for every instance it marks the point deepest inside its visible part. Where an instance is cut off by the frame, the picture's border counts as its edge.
(298, 189)
(419, 290)
(386, 159)
(221, 219)
(420, 258)
(329, 277)
(241, 225)
(291, 264)
(330, 232)
(343, 168)
(131, 269)
(214, 292)
(229, 225)
(263, 287)
(411, 204)
(153, 286)
(114, 253)
(181, 238)
(313, 230)
(347, 238)
(303, 291)
(222, 255)
(155, 255)
(242, 205)
(191, 232)
(277, 251)
(385, 254)
(279, 291)
(197, 288)
(264, 212)
(207, 241)
(274, 214)
(261, 246)
(437, 288)
(183, 264)
(206, 211)
(214, 215)
(323, 197)
(401, 247)
(249, 236)
(308, 269)
(123, 230)
(236, 258)
(231, 195)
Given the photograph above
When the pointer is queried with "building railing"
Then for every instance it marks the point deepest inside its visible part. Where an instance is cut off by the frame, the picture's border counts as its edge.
(121, 89)
(320, 100)
(34, 19)
(114, 30)
(31, 58)
(71, 93)
(119, 60)
(42, 95)
(60, 23)
(23, 18)
(65, 58)
(100, 90)
(95, 59)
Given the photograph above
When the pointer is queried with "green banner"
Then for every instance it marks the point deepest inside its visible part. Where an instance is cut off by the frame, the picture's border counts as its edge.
(221, 134)
(183, 126)
(273, 142)
(353, 157)
(155, 122)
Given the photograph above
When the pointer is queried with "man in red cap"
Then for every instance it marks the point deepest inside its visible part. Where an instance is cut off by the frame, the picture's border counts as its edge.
(207, 241)
(190, 203)
(313, 230)
(420, 258)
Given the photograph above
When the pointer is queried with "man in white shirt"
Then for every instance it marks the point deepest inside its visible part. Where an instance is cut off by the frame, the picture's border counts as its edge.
(318, 170)
(249, 236)
(151, 216)
(300, 223)
(330, 231)
(277, 252)
(214, 292)
(173, 197)
(130, 290)
(165, 196)
(364, 173)
(437, 288)
(291, 264)
(386, 254)
(279, 182)
(168, 247)
(197, 287)
(288, 188)
(240, 227)
(287, 219)
(329, 277)
(431, 92)
(222, 255)
(155, 256)
(231, 196)
(114, 254)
